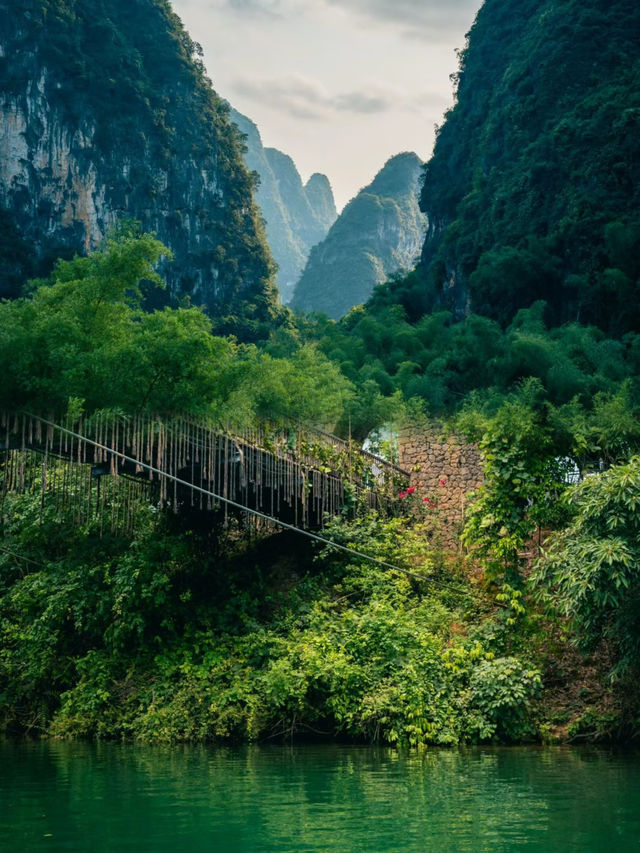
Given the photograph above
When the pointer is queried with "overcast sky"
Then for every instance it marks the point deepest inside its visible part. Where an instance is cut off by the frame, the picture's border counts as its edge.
(339, 85)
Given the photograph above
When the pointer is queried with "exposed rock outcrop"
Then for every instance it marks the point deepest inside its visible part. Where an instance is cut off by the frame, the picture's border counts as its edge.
(296, 216)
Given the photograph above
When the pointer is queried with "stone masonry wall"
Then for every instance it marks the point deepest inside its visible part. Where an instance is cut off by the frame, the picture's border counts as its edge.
(444, 469)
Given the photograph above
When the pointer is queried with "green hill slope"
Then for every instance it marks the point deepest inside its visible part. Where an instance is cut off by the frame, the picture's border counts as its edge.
(378, 233)
(530, 267)
(534, 187)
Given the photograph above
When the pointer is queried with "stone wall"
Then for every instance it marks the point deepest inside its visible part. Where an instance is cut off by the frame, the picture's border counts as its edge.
(443, 469)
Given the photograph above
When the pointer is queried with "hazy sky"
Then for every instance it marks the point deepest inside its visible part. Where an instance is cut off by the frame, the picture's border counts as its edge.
(340, 85)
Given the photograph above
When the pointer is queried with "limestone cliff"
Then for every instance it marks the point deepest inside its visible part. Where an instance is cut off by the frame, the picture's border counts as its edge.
(380, 232)
(105, 112)
(296, 216)
(320, 195)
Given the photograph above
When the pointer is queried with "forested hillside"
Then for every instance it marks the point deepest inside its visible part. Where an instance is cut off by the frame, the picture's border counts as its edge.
(518, 334)
(532, 191)
(106, 112)
(378, 233)
(529, 268)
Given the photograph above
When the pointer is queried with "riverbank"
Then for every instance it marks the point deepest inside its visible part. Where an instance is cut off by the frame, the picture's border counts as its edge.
(183, 635)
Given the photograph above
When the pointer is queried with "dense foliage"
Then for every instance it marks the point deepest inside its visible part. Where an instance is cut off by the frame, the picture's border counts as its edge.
(180, 635)
(189, 630)
(82, 336)
(447, 365)
(532, 192)
(591, 567)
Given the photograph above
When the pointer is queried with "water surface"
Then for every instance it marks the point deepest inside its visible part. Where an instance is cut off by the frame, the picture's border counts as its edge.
(105, 797)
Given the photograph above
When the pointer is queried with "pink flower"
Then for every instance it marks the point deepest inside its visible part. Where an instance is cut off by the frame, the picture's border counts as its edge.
(443, 482)
(427, 501)
(402, 494)
(411, 490)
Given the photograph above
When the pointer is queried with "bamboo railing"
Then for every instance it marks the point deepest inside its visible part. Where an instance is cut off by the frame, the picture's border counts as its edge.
(279, 471)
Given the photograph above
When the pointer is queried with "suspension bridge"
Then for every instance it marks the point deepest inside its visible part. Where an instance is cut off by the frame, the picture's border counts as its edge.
(108, 467)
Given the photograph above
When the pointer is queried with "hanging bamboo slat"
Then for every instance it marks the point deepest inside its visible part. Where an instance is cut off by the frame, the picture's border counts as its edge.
(233, 463)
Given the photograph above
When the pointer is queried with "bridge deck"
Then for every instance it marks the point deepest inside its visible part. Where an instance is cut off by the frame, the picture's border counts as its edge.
(287, 473)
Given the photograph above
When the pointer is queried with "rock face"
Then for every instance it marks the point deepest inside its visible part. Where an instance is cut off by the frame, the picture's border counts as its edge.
(296, 216)
(106, 113)
(380, 232)
(320, 195)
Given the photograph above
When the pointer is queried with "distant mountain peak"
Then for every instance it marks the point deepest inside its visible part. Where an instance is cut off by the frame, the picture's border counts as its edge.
(297, 215)
(379, 232)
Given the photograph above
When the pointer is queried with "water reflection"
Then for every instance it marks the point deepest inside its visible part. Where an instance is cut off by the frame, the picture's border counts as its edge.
(104, 797)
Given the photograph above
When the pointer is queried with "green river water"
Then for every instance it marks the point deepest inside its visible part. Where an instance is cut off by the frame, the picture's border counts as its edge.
(106, 797)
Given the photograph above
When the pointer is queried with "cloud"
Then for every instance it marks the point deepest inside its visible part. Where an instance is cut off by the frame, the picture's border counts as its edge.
(296, 95)
(415, 16)
(365, 103)
(428, 102)
(265, 9)
(305, 98)
(259, 7)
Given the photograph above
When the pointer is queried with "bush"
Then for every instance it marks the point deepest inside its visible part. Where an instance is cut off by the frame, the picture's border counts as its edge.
(502, 690)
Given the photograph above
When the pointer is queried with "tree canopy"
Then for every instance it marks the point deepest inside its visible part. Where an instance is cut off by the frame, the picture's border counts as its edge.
(83, 335)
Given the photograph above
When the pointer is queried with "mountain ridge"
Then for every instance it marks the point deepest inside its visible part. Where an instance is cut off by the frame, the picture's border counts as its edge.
(297, 215)
(379, 233)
